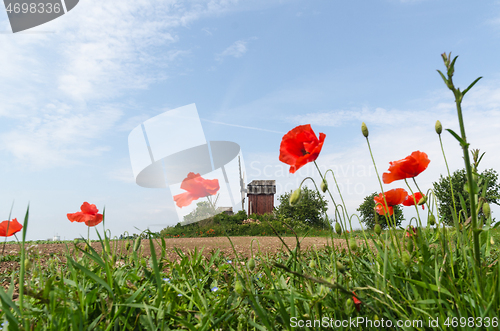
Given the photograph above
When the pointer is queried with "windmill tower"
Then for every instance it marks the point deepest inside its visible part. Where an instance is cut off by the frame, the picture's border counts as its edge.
(243, 190)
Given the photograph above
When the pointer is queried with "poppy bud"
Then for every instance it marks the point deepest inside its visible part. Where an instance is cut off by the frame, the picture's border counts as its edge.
(27, 264)
(238, 288)
(143, 262)
(340, 267)
(405, 257)
(364, 130)
(432, 220)
(324, 185)
(338, 228)
(349, 306)
(295, 197)
(137, 244)
(127, 245)
(492, 241)
(251, 264)
(409, 245)
(486, 210)
(353, 245)
(377, 229)
(438, 127)
(312, 264)
(422, 200)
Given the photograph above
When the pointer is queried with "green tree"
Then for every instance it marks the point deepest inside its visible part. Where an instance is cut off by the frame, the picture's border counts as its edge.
(458, 179)
(367, 213)
(311, 208)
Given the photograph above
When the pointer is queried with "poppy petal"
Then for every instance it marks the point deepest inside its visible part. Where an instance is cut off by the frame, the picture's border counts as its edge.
(408, 167)
(78, 217)
(196, 187)
(13, 227)
(94, 220)
(89, 209)
(393, 197)
(184, 199)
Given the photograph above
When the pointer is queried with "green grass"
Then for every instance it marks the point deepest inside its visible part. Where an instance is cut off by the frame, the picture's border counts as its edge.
(438, 279)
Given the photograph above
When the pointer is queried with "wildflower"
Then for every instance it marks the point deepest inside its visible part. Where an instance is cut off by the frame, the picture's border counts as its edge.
(353, 245)
(338, 228)
(486, 210)
(196, 187)
(167, 280)
(9, 228)
(251, 264)
(88, 214)
(357, 303)
(408, 167)
(349, 306)
(410, 201)
(340, 266)
(393, 197)
(300, 146)
(215, 289)
(438, 127)
(432, 220)
(312, 264)
(324, 185)
(411, 231)
(295, 197)
(405, 257)
(364, 129)
(238, 288)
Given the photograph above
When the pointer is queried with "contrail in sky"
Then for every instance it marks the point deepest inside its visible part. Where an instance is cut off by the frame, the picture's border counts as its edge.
(242, 126)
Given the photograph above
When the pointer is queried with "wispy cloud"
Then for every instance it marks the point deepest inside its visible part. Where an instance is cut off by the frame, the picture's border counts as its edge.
(242, 126)
(237, 49)
(59, 89)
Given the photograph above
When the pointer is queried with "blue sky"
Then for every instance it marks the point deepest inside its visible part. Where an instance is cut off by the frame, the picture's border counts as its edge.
(72, 90)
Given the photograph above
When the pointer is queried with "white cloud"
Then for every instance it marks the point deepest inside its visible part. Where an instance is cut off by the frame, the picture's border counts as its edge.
(99, 51)
(58, 136)
(237, 49)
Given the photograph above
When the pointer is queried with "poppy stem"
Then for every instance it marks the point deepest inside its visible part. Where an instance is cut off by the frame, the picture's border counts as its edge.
(465, 147)
(387, 218)
(449, 176)
(415, 201)
(338, 189)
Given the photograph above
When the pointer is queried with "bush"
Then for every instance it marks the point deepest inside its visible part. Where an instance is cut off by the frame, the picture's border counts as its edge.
(367, 213)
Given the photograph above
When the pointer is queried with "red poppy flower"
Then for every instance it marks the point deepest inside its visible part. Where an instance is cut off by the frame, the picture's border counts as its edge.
(409, 201)
(88, 215)
(14, 227)
(411, 231)
(357, 303)
(196, 187)
(393, 197)
(408, 167)
(300, 146)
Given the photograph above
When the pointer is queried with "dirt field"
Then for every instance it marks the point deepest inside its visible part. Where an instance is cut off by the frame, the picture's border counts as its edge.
(268, 245)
